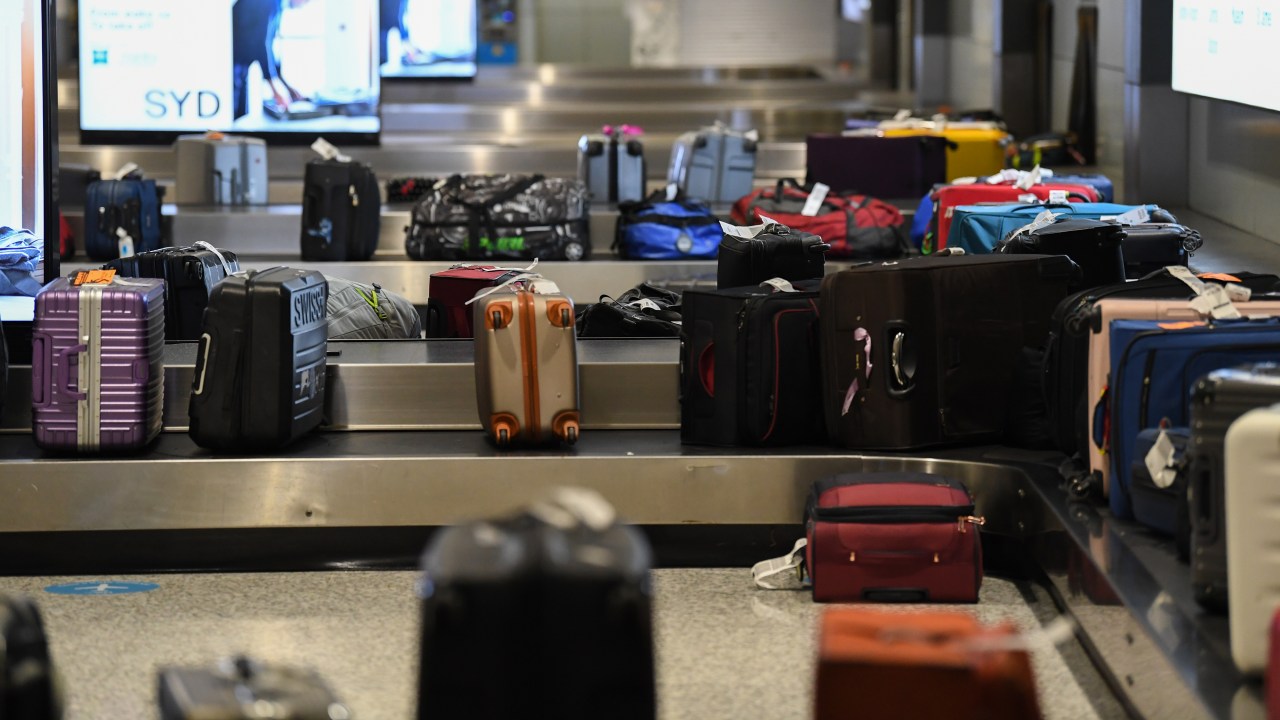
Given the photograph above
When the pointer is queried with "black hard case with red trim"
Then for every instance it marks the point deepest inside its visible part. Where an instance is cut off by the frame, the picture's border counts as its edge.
(749, 367)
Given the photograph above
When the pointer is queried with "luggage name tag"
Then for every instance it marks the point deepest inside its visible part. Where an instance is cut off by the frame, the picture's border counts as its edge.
(543, 286)
(789, 567)
(1004, 176)
(124, 171)
(902, 115)
(124, 243)
(1059, 197)
(814, 203)
(94, 277)
(752, 135)
(1044, 219)
(1136, 216)
(1211, 300)
(1026, 180)
(779, 285)
(328, 150)
(1160, 461)
(673, 190)
(1029, 198)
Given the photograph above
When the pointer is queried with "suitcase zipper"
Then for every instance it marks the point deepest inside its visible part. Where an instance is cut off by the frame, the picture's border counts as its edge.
(887, 514)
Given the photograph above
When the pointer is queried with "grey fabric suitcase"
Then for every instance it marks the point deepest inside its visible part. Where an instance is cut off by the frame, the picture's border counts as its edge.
(714, 164)
(612, 166)
(217, 169)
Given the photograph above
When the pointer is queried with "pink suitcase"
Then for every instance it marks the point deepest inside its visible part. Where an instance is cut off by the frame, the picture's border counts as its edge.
(97, 378)
(1105, 311)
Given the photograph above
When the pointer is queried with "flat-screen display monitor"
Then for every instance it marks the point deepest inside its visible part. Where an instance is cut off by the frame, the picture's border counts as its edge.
(428, 39)
(1226, 50)
(28, 137)
(287, 70)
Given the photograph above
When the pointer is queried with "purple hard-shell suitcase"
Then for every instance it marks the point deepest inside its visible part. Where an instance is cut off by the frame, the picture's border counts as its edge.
(97, 377)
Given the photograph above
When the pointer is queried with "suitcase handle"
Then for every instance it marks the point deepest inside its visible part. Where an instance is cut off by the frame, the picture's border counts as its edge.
(902, 361)
(40, 396)
(62, 376)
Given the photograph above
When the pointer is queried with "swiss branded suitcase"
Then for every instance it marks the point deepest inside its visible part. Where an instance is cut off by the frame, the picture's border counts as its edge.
(891, 168)
(774, 251)
(612, 166)
(1218, 400)
(714, 164)
(1253, 571)
(218, 169)
(260, 369)
(236, 689)
(131, 207)
(448, 314)
(1153, 370)
(979, 228)
(513, 607)
(749, 367)
(1161, 504)
(97, 373)
(855, 226)
(526, 364)
(1094, 246)
(29, 688)
(875, 665)
(886, 536)
(341, 211)
(1151, 246)
(189, 275)
(943, 334)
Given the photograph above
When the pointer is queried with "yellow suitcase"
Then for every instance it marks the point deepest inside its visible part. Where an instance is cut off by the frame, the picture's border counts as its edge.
(979, 147)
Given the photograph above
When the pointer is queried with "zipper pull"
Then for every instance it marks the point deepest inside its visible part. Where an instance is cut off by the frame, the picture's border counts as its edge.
(969, 519)
(355, 199)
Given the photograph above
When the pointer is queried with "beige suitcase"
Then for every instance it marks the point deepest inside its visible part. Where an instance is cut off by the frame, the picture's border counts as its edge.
(526, 362)
(1107, 310)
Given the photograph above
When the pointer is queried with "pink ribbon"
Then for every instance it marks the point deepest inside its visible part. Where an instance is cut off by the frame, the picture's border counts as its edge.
(860, 335)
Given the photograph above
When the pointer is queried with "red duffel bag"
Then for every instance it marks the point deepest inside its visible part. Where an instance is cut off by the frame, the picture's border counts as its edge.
(859, 227)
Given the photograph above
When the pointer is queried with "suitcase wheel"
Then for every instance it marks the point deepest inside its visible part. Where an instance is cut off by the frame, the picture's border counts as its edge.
(498, 316)
(504, 428)
(565, 426)
(560, 313)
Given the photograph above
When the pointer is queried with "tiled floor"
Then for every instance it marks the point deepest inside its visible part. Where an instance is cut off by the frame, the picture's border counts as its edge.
(724, 649)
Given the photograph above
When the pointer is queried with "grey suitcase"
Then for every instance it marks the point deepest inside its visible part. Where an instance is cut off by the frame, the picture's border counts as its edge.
(714, 164)
(217, 169)
(612, 166)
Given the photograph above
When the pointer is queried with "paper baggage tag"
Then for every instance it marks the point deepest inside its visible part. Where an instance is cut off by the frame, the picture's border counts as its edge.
(969, 180)
(1004, 176)
(1026, 180)
(1160, 462)
(901, 115)
(785, 571)
(328, 150)
(1059, 197)
(779, 285)
(94, 277)
(814, 203)
(1238, 293)
(672, 191)
(124, 243)
(752, 135)
(1029, 199)
(543, 286)
(125, 170)
(1044, 219)
(1136, 216)
(750, 231)
(1215, 303)
(1196, 284)
(645, 304)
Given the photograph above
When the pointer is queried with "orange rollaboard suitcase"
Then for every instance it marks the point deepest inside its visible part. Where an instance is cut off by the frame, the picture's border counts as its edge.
(526, 363)
(878, 665)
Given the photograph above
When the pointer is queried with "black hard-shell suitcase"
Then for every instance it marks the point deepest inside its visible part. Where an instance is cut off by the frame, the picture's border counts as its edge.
(1092, 244)
(189, 275)
(260, 368)
(749, 368)
(341, 211)
(1151, 246)
(1066, 368)
(1217, 400)
(514, 608)
(28, 688)
(922, 351)
(777, 251)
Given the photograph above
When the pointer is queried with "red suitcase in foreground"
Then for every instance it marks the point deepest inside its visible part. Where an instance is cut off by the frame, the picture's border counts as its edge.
(892, 537)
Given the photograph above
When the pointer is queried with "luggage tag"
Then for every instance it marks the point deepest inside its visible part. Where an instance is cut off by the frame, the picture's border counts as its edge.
(779, 285)
(124, 171)
(1059, 197)
(814, 203)
(1160, 461)
(328, 150)
(93, 277)
(1027, 180)
(787, 571)
(1004, 176)
(748, 232)
(124, 243)
(1136, 216)
(1212, 300)
(1044, 219)
(521, 276)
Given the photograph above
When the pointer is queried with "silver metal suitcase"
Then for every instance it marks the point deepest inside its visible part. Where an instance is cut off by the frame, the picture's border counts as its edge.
(217, 169)
(714, 164)
(612, 167)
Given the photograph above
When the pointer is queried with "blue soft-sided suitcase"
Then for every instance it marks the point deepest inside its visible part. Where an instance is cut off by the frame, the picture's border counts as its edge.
(133, 204)
(668, 231)
(979, 228)
(1101, 183)
(1153, 370)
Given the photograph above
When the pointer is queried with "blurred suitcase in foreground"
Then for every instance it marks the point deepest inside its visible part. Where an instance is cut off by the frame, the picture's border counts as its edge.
(944, 336)
(526, 364)
(885, 666)
(611, 164)
(97, 372)
(260, 369)
(1253, 532)
(892, 537)
(238, 688)
(714, 164)
(189, 275)
(513, 607)
(219, 169)
(749, 256)
(749, 366)
(29, 688)
(1218, 400)
(889, 168)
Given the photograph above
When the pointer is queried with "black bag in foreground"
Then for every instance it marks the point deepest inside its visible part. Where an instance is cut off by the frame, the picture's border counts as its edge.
(28, 688)
(775, 251)
(501, 217)
(260, 368)
(512, 608)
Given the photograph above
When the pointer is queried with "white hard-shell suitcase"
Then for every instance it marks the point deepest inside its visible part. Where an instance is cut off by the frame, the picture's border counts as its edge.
(218, 169)
(1253, 533)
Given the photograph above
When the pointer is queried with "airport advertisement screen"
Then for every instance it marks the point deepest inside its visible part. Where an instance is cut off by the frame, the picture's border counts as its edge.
(279, 68)
(1227, 50)
(428, 39)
